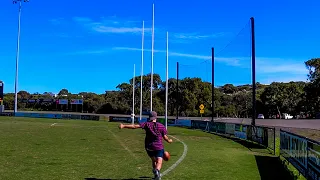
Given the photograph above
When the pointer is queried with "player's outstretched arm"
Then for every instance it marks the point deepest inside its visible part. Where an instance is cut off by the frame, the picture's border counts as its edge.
(166, 138)
(129, 126)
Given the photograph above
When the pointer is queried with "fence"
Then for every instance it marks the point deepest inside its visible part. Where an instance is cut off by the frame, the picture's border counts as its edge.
(264, 136)
(6, 114)
(302, 153)
(52, 116)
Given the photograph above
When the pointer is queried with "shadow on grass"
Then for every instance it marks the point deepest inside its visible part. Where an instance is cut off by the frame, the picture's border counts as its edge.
(140, 178)
(250, 145)
(271, 168)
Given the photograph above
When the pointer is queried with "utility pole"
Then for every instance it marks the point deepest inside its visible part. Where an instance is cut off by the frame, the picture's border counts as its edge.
(253, 64)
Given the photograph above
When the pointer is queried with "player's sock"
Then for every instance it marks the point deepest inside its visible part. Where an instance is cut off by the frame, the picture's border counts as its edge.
(157, 175)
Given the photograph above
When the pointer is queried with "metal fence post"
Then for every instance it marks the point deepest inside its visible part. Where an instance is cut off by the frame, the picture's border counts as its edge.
(307, 158)
(274, 141)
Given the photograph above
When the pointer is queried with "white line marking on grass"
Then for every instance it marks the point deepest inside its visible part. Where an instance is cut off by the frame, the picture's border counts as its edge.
(184, 154)
(122, 144)
(114, 135)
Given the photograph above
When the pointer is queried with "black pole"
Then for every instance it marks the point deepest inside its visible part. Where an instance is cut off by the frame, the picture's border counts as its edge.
(274, 141)
(212, 71)
(253, 58)
(177, 91)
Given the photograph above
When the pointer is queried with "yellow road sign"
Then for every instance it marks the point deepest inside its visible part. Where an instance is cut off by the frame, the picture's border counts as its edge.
(201, 111)
(201, 106)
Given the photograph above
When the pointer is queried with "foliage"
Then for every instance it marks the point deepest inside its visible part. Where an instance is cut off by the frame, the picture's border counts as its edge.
(294, 98)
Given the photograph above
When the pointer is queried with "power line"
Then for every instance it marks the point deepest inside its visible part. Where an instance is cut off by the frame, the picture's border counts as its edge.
(229, 43)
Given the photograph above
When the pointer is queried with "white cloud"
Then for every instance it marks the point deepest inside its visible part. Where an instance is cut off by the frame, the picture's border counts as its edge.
(193, 36)
(277, 65)
(297, 68)
(229, 61)
(263, 65)
(267, 69)
(107, 29)
(92, 52)
(116, 25)
(111, 25)
(134, 49)
(285, 79)
(280, 70)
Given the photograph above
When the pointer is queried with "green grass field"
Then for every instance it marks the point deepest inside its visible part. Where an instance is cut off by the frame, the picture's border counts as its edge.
(74, 149)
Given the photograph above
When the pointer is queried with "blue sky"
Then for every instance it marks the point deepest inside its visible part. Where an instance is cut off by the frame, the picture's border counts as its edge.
(92, 46)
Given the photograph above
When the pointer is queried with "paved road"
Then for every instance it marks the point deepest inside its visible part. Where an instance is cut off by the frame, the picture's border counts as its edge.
(296, 123)
(292, 123)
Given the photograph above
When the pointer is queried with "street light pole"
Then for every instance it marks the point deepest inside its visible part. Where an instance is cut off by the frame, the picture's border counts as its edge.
(17, 55)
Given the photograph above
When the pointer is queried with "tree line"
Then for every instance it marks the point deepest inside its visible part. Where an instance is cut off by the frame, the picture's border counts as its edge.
(299, 99)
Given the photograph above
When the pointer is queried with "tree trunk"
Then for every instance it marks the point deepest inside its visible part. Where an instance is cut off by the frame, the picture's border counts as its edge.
(279, 112)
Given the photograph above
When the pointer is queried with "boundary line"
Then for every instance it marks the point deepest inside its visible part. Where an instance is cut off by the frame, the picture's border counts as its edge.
(112, 133)
(172, 167)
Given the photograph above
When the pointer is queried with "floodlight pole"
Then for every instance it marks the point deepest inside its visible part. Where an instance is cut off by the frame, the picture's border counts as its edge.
(17, 56)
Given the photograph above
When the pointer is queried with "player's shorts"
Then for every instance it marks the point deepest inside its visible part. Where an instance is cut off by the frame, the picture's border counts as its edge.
(155, 153)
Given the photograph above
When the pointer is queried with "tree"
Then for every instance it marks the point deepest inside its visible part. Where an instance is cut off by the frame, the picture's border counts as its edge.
(282, 98)
(63, 92)
(273, 97)
(295, 98)
(228, 89)
(313, 66)
(312, 100)
(243, 103)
